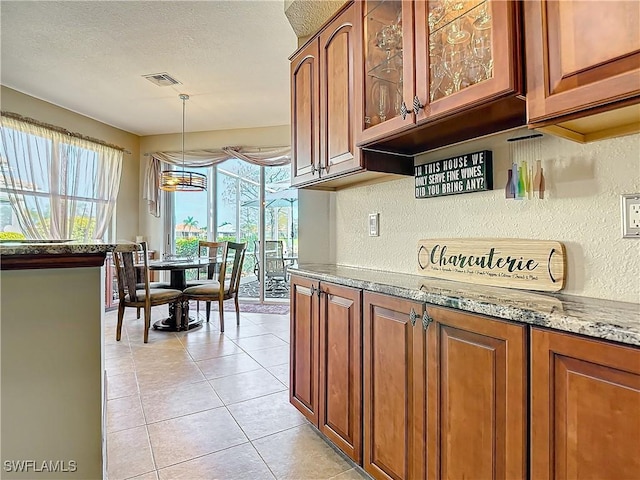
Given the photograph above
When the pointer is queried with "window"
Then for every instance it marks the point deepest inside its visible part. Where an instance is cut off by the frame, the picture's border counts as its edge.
(59, 186)
(231, 211)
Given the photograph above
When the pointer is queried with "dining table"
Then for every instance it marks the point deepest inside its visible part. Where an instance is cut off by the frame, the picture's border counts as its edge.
(177, 268)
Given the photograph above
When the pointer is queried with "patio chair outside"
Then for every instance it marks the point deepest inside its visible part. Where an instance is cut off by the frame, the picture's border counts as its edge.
(275, 269)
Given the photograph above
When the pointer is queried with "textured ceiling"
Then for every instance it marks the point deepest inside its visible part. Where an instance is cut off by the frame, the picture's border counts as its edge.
(307, 16)
(89, 57)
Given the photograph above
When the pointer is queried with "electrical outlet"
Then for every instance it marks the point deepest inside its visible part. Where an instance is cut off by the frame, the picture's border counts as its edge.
(631, 215)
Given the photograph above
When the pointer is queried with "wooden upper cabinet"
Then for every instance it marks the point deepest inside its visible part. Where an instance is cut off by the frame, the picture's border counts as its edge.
(303, 382)
(305, 115)
(476, 397)
(585, 408)
(384, 54)
(323, 103)
(467, 53)
(452, 72)
(338, 152)
(583, 57)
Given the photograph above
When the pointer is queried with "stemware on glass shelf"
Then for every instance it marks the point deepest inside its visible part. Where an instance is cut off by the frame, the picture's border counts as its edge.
(381, 94)
(482, 49)
(457, 30)
(384, 61)
(460, 45)
(481, 16)
(388, 40)
(453, 62)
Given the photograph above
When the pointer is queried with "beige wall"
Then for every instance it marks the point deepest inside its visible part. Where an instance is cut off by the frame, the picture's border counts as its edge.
(581, 209)
(126, 212)
(52, 366)
(151, 227)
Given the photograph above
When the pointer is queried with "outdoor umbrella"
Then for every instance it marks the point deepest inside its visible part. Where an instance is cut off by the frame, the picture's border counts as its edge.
(281, 198)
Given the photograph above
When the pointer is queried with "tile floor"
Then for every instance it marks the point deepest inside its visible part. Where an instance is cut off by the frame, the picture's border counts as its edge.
(206, 405)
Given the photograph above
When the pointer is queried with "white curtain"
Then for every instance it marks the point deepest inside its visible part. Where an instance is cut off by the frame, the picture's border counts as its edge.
(268, 157)
(60, 186)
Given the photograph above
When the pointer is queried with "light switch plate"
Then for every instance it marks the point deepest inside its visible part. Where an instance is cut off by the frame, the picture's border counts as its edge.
(630, 205)
(374, 223)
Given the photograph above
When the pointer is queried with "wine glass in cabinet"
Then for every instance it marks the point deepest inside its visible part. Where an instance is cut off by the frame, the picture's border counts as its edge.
(386, 51)
(477, 43)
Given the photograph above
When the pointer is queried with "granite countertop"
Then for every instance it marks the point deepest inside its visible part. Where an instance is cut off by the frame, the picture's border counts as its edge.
(606, 319)
(58, 247)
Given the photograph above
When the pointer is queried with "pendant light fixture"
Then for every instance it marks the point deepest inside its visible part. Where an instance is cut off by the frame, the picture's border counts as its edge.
(181, 180)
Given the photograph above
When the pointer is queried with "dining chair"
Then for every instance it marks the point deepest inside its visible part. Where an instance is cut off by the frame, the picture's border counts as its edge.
(140, 294)
(275, 270)
(225, 287)
(214, 251)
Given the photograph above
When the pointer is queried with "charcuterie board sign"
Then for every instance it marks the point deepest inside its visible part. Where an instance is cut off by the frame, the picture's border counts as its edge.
(503, 262)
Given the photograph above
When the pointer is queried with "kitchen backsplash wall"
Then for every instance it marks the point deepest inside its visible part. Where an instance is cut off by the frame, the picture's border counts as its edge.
(581, 209)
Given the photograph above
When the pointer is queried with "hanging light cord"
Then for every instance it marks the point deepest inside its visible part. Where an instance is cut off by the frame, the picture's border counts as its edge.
(184, 98)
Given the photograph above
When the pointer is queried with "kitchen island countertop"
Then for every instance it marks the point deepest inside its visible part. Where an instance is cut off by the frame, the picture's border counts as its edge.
(603, 319)
(50, 254)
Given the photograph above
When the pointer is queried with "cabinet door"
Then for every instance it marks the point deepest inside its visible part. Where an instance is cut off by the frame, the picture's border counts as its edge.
(384, 55)
(303, 381)
(388, 386)
(476, 399)
(580, 55)
(340, 412)
(467, 53)
(585, 408)
(338, 151)
(305, 115)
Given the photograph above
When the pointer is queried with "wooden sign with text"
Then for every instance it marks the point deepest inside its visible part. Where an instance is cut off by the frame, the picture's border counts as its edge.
(471, 172)
(513, 263)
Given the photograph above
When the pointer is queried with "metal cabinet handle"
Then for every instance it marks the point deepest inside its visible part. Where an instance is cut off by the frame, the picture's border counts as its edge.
(417, 105)
(426, 320)
(413, 316)
(312, 290)
(403, 110)
(318, 169)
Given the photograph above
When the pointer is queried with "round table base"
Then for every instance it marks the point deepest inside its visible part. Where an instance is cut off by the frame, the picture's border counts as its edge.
(169, 325)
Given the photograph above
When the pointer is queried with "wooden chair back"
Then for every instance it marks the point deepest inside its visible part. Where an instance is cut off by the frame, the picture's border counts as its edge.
(214, 251)
(125, 262)
(234, 259)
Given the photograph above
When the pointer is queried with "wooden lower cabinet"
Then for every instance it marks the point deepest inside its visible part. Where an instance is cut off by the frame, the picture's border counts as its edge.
(326, 360)
(389, 385)
(303, 381)
(340, 413)
(475, 398)
(413, 391)
(585, 408)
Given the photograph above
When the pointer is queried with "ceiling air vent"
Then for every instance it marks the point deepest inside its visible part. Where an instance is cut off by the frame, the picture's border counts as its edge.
(161, 79)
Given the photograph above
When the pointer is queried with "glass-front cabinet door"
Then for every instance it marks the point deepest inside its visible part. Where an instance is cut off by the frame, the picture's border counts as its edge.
(387, 67)
(466, 53)
(422, 60)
